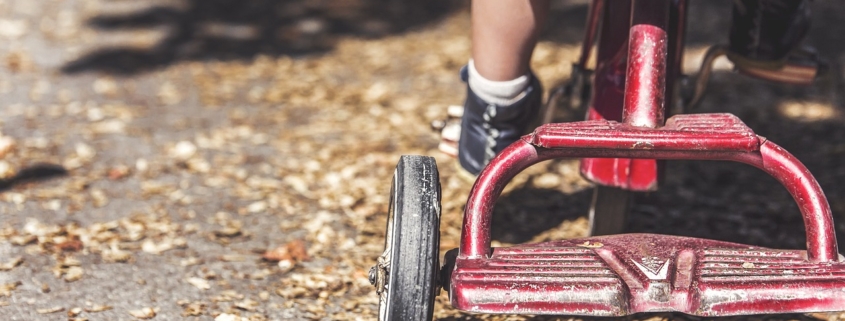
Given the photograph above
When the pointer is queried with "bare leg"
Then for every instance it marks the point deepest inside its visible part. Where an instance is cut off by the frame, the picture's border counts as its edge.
(504, 33)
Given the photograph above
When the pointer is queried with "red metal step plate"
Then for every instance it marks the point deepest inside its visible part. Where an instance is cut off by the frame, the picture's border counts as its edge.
(630, 273)
(714, 132)
(691, 131)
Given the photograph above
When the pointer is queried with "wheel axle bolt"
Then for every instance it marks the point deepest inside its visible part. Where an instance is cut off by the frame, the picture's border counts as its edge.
(372, 275)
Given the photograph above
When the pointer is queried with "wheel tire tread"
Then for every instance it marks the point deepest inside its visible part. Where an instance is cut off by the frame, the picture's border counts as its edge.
(417, 245)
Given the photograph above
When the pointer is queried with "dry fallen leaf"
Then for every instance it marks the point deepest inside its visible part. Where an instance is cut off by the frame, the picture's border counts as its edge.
(98, 308)
(50, 310)
(118, 172)
(21, 240)
(286, 265)
(144, 313)
(183, 150)
(74, 312)
(74, 273)
(73, 245)
(291, 293)
(232, 258)
(11, 264)
(293, 251)
(194, 309)
(230, 231)
(151, 247)
(7, 288)
(201, 284)
(115, 254)
(69, 261)
(247, 305)
(189, 261)
(228, 317)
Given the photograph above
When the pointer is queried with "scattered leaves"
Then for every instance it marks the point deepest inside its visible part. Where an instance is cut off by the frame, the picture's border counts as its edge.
(7, 288)
(115, 254)
(74, 312)
(144, 313)
(194, 309)
(50, 310)
(98, 308)
(247, 305)
(72, 245)
(228, 317)
(6, 266)
(293, 251)
(118, 172)
(73, 273)
(199, 283)
(189, 261)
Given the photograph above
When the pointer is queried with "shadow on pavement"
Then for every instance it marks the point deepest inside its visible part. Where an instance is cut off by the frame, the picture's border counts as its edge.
(233, 29)
(35, 173)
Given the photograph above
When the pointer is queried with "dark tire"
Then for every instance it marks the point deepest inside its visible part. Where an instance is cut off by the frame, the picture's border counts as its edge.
(412, 242)
(608, 210)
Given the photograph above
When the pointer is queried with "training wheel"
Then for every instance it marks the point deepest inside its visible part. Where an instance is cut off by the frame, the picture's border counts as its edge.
(405, 276)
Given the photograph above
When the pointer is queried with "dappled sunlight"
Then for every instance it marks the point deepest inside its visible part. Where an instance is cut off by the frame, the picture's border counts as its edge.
(808, 111)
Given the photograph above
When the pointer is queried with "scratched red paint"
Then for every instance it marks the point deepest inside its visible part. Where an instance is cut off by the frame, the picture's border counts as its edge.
(608, 276)
(624, 274)
(631, 273)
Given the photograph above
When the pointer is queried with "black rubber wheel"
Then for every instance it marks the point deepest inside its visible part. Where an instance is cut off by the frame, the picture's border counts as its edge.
(608, 210)
(409, 264)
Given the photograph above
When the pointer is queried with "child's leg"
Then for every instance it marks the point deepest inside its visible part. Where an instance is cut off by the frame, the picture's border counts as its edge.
(503, 97)
(504, 33)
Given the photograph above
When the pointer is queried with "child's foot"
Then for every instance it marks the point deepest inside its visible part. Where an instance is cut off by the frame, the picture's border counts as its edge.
(486, 129)
(765, 32)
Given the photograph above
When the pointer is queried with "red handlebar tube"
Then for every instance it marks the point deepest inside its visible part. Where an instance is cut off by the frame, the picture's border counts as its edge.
(645, 87)
(772, 159)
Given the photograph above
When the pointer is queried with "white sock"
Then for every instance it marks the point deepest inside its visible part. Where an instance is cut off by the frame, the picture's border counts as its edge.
(501, 93)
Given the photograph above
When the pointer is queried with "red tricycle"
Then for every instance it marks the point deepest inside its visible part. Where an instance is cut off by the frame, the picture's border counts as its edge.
(636, 82)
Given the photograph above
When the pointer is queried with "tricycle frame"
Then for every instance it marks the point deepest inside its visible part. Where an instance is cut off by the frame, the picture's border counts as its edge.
(626, 132)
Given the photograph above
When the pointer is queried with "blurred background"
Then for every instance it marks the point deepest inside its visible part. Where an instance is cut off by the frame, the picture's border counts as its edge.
(204, 159)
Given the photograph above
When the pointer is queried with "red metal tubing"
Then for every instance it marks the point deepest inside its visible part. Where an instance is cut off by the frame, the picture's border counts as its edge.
(596, 8)
(774, 160)
(805, 190)
(611, 59)
(475, 236)
(677, 35)
(645, 89)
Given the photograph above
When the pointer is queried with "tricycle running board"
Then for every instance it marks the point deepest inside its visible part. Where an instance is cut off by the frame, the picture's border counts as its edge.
(630, 273)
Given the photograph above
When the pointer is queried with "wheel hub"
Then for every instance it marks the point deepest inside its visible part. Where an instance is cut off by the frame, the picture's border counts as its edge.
(378, 275)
